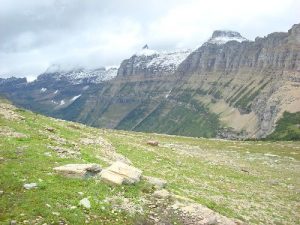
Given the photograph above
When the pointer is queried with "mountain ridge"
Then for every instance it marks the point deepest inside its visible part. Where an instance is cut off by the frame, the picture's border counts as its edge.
(236, 89)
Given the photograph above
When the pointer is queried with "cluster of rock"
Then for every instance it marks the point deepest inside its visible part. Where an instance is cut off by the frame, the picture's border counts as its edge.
(117, 174)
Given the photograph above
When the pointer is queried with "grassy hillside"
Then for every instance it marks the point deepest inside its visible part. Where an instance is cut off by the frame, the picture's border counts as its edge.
(287, 128)
(256, 182)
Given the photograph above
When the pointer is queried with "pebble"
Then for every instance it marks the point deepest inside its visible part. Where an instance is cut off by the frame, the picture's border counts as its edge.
(85, 203)
(55, 213)
(30, 186)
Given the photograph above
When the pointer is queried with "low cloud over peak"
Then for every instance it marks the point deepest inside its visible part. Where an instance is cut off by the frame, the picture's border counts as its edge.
(36, 34)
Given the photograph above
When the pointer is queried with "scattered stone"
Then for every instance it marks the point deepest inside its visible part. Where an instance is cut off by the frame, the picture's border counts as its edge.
(85, 203)
(13, 222)
(55, 213)
(78, 170)
(152, 143)
(245, 170)
(81, 193)
(8, 132)
(1, 192)
(156, 182)
(121, 173)
(108, 151)
(50, 129)
(30, 186)
(163, 194)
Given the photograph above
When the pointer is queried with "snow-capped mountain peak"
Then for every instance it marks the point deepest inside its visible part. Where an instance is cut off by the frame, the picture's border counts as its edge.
(145, 51)
(80, 75)
(152, 62)
(220, 37)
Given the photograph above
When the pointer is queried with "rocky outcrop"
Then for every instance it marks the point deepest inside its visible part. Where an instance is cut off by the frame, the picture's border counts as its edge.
(120, 173)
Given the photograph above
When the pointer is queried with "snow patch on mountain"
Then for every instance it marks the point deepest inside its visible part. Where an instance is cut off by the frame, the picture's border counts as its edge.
(159, 61)
(146, 52)
(81, 75)
(220, 37)
(75, 97)
(62, 102)
(43, 90)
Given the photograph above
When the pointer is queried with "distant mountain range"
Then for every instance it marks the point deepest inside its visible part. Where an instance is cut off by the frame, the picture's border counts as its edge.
(229, 87)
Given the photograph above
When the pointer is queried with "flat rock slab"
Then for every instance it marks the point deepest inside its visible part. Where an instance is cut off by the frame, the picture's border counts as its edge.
(78, 170)
(121, 173)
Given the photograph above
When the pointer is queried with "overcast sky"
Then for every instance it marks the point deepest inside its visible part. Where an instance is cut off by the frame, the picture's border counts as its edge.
(92, 33)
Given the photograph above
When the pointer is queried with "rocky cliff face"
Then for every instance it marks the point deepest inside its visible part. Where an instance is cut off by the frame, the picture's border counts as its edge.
(229, 87)
(259, 78)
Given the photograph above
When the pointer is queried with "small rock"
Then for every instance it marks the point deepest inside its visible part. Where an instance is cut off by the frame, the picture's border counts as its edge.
(163, 194)
(55, 213)
(80, 193)
(245, 170)
(85, 203)
(156, 182)
(30, 186)
(152, 143)
(13, 222)
(1, 192)
(50, 129)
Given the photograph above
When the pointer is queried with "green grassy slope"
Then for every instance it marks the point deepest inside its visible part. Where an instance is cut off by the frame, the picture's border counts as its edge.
(287, 128)
(257, 182)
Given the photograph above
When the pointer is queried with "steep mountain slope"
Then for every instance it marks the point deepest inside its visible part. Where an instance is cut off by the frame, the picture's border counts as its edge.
(229, 87)
(249, 84)
(254, 182)
(55, 89)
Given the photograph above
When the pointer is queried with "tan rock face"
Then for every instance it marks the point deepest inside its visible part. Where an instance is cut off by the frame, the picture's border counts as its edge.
(78, 170)
(121, 173)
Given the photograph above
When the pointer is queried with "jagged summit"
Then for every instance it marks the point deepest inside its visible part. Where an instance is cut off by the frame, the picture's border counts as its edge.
(145, 51)
(223, 36)
(145, 46)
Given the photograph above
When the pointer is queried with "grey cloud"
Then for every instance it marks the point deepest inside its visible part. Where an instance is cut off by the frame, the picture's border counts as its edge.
(35, 34)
